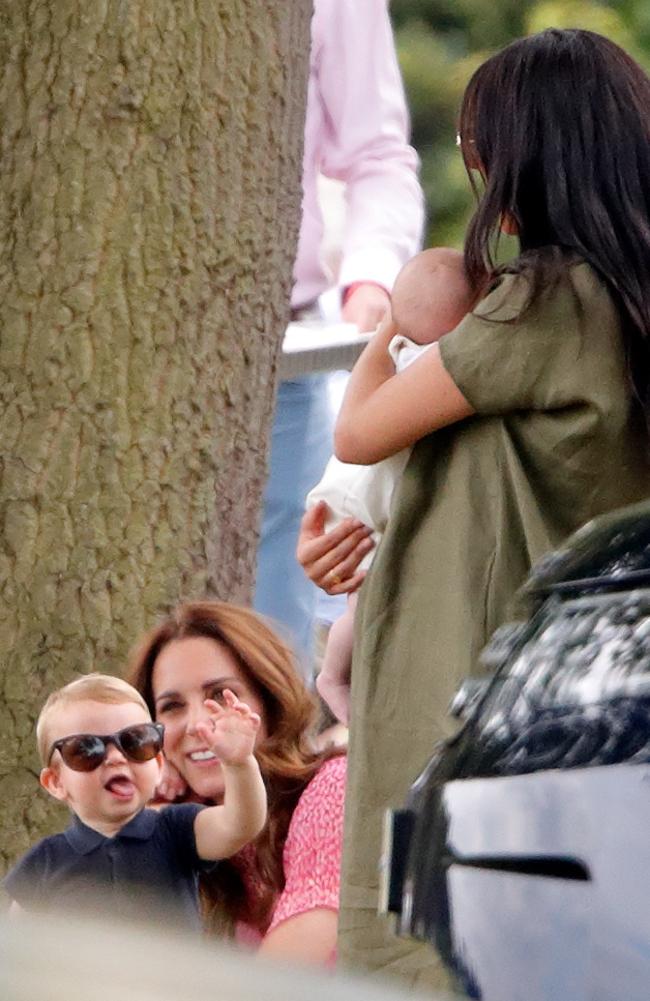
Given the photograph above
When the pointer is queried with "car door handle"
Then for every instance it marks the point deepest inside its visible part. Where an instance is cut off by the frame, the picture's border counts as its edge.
(548, 866)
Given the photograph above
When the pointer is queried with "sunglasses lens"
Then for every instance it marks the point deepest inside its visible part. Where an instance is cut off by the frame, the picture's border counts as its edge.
(140, 743)
(83, 753)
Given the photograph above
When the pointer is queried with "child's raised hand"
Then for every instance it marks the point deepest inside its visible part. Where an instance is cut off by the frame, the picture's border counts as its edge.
(230, 729)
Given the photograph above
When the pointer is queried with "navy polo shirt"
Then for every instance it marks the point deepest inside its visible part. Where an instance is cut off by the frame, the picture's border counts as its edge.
(147, 871)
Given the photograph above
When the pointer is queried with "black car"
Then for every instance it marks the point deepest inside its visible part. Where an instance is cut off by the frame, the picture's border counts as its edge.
(523, 853)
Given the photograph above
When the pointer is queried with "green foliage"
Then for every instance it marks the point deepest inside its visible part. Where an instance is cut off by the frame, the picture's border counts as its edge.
(583, 14)
(441, 42)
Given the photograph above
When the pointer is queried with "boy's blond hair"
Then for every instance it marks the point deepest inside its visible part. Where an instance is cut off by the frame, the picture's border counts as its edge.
(90, 688)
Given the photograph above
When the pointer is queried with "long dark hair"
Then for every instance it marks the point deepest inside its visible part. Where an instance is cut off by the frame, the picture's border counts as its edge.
(287, 757)
(558, 124)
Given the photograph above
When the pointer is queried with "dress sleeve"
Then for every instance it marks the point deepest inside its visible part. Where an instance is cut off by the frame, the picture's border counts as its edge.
(502, 361)
(312, 851)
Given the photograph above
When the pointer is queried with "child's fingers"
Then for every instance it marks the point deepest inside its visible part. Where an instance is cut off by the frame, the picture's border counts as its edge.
(205, 730)
(227, 719)
(230, 701)
(241, 708)
(214, 708)
(248, 717)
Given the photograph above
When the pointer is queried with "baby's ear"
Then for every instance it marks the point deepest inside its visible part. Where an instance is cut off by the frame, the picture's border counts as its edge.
(50, 779)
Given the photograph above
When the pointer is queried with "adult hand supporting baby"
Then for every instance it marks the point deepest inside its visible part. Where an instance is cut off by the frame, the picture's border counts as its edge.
(330, 559)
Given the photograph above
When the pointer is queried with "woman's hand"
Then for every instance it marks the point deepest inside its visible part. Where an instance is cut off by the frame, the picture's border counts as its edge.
(331, 559)
(171, 786)
(383, 333)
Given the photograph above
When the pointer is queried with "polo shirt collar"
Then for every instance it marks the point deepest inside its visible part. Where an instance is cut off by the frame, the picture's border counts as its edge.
(84, 839)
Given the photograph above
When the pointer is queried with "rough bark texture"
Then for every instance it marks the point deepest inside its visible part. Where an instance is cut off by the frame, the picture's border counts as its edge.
(149, 201)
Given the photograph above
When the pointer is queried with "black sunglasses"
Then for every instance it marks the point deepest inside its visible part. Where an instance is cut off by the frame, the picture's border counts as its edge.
(84, 752)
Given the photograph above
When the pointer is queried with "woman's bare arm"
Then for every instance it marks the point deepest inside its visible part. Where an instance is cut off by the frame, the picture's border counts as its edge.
(384, 411)
(304, 938)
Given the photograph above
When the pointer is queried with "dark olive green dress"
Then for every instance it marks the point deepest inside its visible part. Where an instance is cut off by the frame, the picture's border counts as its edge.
(555, 441)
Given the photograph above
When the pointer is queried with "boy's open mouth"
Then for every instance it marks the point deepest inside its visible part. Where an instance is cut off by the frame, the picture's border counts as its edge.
(120, 786)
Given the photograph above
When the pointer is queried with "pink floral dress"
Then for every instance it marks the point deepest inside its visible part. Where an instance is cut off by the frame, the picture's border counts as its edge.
(312, 852)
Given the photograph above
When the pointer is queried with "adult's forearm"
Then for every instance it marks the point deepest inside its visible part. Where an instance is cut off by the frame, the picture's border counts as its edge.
(387, 411)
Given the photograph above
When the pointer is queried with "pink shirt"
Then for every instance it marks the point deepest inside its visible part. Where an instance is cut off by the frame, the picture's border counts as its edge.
(312, 851)
(356, 131)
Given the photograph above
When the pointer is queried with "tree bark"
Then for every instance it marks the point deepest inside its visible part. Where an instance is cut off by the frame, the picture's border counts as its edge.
(149, 208)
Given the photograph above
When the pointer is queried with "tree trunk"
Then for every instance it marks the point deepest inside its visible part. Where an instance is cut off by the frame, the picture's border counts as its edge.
(149, 208)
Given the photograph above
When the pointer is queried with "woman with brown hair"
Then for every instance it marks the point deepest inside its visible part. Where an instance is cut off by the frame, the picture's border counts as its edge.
(282, 890)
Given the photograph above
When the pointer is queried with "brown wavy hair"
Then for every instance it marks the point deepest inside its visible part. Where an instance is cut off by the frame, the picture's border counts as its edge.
(286, 756)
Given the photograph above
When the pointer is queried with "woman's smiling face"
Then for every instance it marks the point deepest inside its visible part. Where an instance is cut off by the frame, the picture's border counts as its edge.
(188, 671)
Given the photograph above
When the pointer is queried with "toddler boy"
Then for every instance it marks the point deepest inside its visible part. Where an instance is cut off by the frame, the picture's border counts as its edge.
(430, 298)
(102, 755)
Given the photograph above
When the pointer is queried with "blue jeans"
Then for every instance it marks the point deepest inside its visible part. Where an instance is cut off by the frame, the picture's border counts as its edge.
(301, 446)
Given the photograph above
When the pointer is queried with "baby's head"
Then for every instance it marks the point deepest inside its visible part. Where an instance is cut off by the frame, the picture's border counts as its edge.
(431, 295)
(105, 781)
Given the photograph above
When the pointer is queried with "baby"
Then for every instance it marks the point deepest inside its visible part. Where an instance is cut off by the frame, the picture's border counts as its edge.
(102, 756)
(430, 298)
